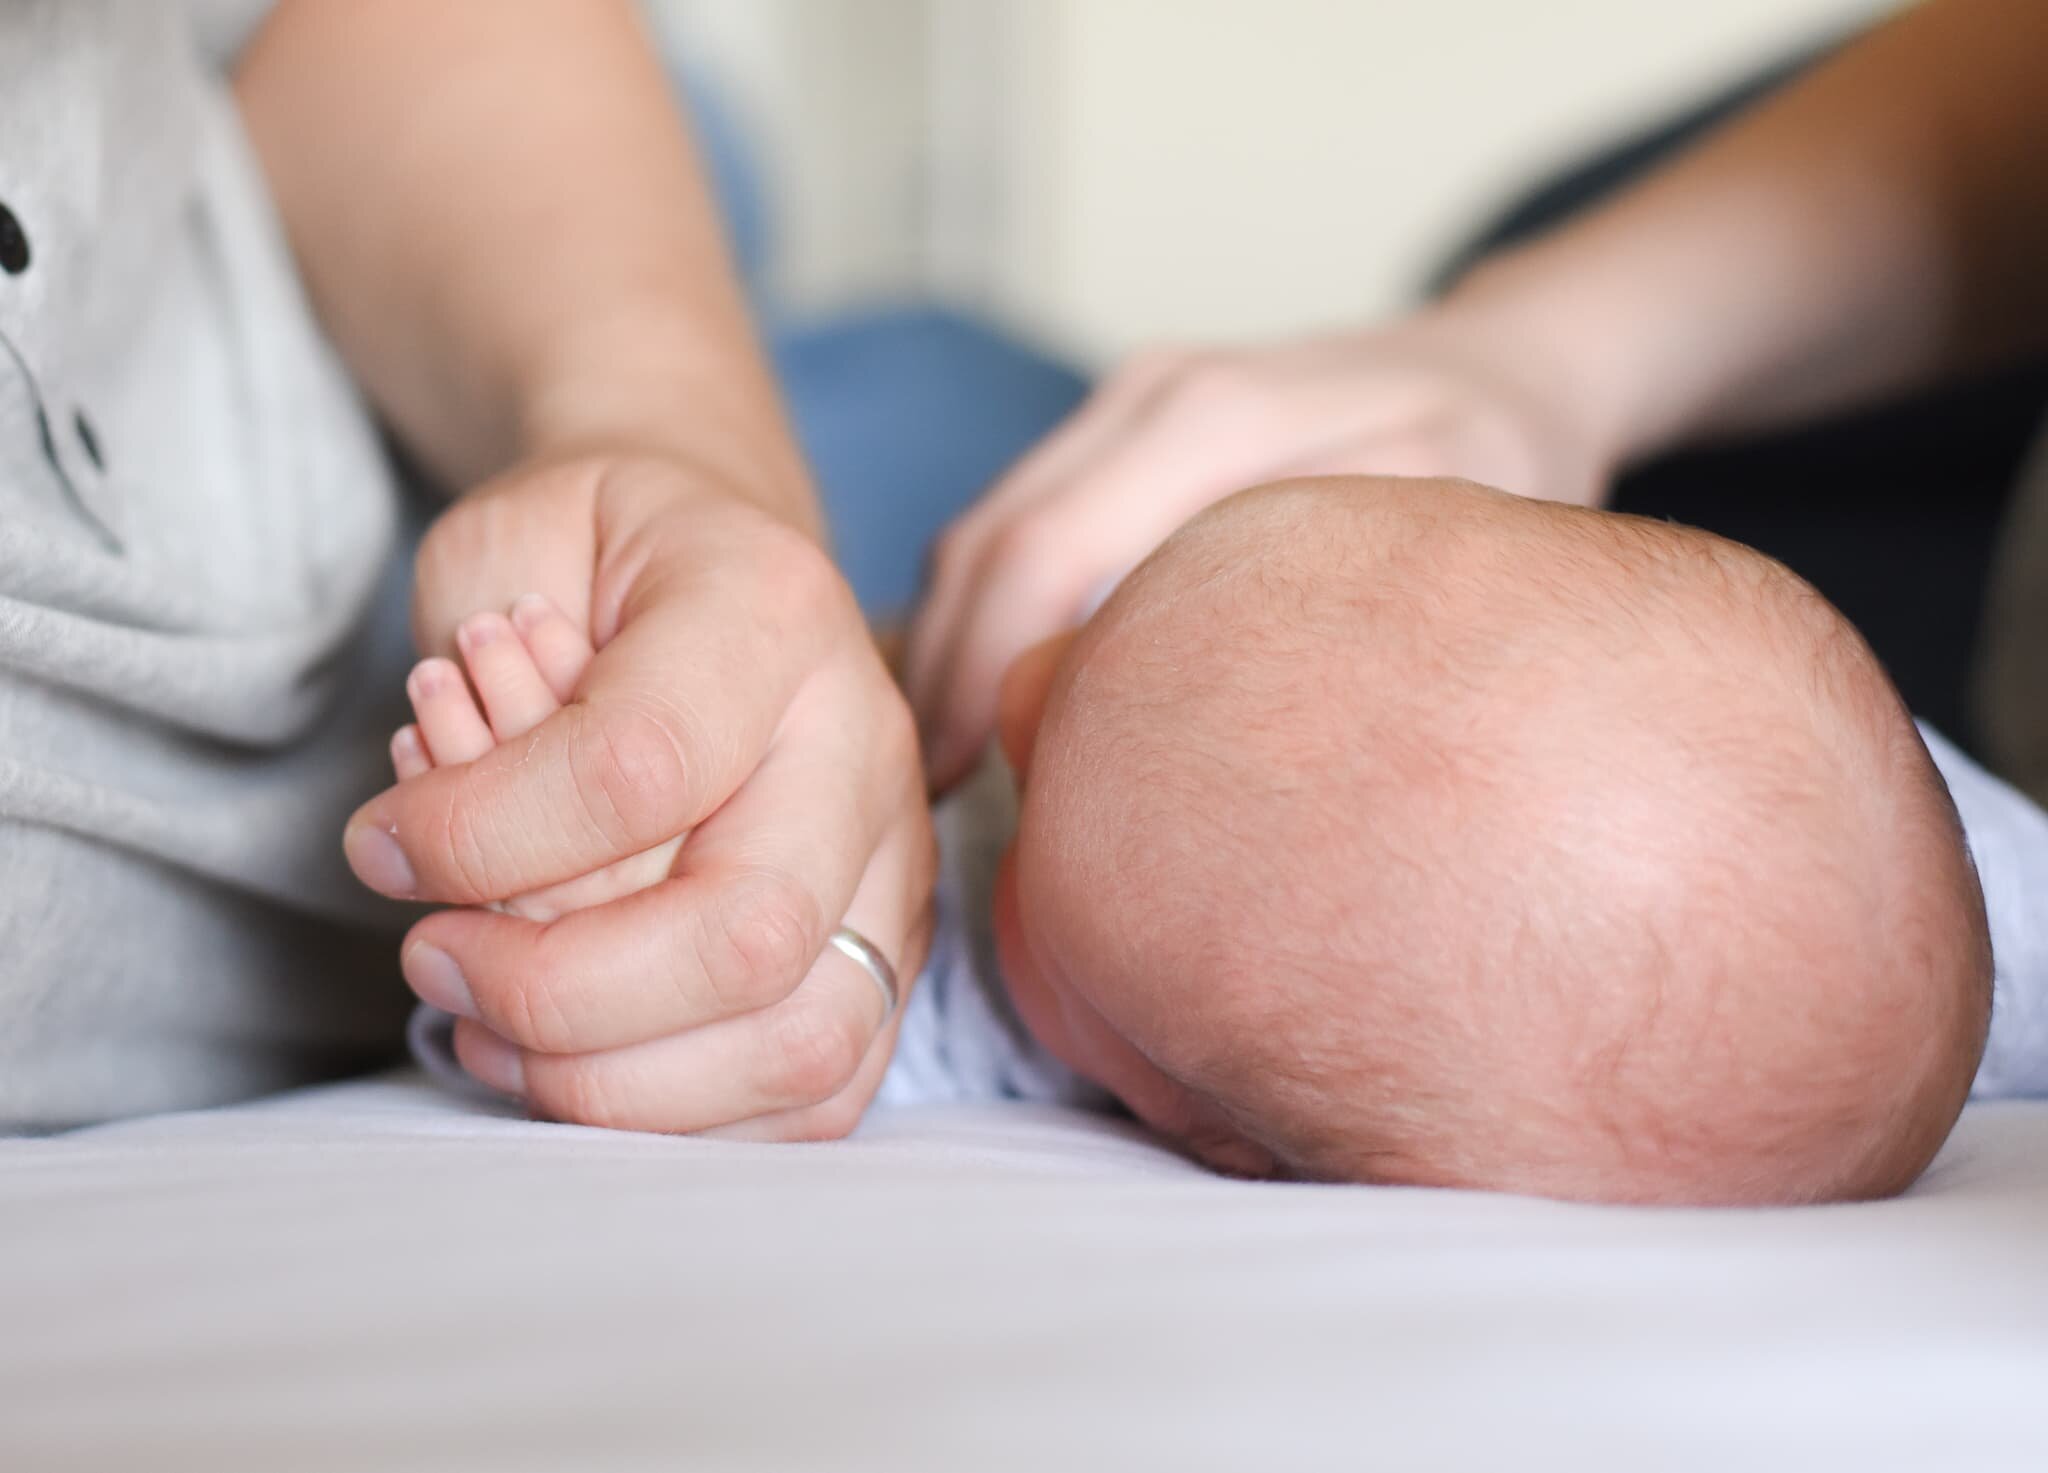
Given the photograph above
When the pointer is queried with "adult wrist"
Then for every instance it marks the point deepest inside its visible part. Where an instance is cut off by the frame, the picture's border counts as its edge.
(1578, 342)
(703, 400)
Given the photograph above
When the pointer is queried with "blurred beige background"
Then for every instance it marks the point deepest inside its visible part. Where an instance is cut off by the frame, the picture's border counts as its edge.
(1104, 173)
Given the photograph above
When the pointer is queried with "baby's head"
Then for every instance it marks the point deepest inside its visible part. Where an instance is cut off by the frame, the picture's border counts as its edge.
(1406, 831)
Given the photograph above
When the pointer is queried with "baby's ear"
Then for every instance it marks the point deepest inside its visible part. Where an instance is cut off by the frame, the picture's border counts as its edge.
(1020, 704)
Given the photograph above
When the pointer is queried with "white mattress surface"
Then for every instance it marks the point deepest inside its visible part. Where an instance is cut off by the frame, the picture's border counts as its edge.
(373, 1276)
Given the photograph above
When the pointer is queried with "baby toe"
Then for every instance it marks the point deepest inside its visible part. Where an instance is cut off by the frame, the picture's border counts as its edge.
(627, 876)
(559, 648)
(409, 753)
(516, 697)
(453, 728)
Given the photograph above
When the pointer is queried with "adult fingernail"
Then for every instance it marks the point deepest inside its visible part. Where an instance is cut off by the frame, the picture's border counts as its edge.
(378, 861)
(491, 1060)
(433, 974)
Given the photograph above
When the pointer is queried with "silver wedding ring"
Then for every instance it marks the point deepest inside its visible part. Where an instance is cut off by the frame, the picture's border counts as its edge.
(868, 957)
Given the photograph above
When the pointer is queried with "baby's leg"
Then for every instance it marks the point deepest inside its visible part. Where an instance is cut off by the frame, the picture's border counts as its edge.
(521, 670)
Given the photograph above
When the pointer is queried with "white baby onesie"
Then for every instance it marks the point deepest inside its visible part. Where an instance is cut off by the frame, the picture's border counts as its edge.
(2008, 838)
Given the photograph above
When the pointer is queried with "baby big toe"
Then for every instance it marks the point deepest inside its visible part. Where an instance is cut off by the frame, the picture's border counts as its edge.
(516, 698)
(559, 649)
(449, 721)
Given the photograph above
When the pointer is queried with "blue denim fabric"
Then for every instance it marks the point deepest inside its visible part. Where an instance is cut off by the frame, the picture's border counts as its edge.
(907, 414)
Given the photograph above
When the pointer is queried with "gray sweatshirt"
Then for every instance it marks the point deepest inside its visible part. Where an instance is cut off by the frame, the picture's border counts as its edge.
(195, 522)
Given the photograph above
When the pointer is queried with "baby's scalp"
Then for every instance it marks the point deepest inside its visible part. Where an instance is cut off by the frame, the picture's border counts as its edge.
(1434, 835)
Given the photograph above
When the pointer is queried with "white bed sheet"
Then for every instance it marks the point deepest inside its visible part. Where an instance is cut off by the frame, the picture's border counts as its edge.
(373, 1276)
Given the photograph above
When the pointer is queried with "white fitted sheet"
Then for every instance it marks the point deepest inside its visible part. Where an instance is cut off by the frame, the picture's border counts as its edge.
(371, 1275)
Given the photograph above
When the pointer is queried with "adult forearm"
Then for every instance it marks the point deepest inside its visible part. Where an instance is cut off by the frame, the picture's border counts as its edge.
(1881, 222)
(504, 226)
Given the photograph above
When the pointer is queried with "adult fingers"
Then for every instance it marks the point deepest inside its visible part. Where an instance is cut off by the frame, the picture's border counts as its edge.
(1034, 569)
(676, 711)
(757, 889)
(1108, 414)
(789, 1061)
(1402, 459)
(1102, 419)
(1039, 574)
(830, 1119)
(1027, 598)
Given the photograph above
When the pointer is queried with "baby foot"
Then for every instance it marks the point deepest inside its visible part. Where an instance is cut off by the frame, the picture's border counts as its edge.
(523, 669)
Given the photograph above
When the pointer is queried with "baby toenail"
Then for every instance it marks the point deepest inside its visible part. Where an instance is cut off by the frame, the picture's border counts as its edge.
(433, 974)
(476, 632)
(528, 610)
(378, 861)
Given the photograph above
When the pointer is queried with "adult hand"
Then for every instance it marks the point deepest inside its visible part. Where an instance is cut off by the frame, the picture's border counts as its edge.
(1174, 431)
(735, 700)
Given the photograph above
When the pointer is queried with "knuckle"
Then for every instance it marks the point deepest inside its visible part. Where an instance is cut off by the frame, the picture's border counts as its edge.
(539, 1009)
(468, 848)
(1030, 549)
(629, 766)
(572, 1091)
(816, 1051)
(760, 941)
(801, 575)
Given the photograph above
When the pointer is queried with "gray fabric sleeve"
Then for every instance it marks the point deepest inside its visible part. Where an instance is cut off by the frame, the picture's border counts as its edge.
(2008, 838)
